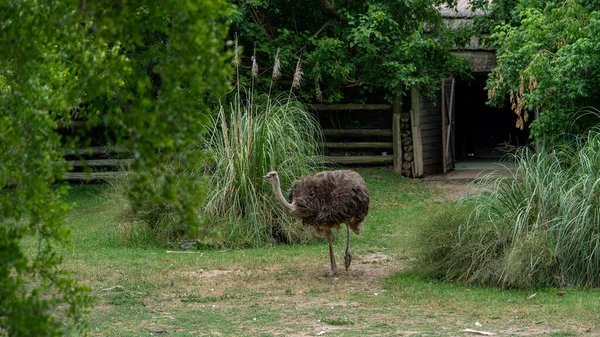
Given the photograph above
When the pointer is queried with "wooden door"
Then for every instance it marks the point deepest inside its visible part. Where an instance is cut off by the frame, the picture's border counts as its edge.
(448, 121)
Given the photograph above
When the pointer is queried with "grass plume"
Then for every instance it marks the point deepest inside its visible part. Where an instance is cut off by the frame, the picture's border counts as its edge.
(298, 74)
(276, 67)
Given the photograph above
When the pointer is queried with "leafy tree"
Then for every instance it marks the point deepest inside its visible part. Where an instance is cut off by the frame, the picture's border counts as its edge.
(369, 46)
(548, 63)
(139, 67)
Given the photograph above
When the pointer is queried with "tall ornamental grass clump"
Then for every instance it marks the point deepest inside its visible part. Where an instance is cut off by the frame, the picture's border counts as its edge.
(253, 135)
(250, 138)
(539, 226)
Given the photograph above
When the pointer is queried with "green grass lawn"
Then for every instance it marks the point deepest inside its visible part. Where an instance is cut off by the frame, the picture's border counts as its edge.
(283, 290)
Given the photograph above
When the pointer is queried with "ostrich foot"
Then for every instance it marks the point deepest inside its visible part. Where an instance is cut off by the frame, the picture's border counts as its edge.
(332, 271)
(347, 260)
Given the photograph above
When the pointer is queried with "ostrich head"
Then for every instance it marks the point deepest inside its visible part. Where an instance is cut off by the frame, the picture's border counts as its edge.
(274, 179)
(272, 176)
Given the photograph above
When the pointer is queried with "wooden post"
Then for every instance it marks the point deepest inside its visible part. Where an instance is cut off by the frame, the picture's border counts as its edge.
(396, 133)
(445, 123)
(415, 122)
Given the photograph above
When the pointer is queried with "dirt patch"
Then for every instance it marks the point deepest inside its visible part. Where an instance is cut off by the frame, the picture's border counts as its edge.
(330, 294)
(208, 273)
(297, 287)
(374, 258)
(374, 265)
(304, 276)
(452, 190)
(515, 331)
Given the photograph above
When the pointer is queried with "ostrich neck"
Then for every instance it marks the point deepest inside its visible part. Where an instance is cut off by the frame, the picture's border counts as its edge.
(279, 195)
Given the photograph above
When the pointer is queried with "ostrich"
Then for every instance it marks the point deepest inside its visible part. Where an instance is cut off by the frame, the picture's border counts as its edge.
(324, 201)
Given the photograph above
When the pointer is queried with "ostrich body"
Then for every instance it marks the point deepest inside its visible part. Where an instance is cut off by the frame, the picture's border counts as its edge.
(324, 201)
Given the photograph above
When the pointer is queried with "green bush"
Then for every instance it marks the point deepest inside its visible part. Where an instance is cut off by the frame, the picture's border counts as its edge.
(537, 227)
(548, 55)
(149, 218)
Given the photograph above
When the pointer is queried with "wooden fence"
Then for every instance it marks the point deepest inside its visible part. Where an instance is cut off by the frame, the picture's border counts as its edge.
(363, 135)
(96, 163)
(388, 141)
(103, 162)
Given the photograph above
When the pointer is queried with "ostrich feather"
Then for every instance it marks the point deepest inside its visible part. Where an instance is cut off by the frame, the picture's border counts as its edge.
(330, 198)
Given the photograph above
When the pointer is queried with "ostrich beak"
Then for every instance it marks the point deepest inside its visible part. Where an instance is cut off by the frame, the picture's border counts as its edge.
(266, 177)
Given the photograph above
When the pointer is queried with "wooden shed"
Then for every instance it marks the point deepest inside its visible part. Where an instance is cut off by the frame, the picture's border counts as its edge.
(459, 126)
(421, 137)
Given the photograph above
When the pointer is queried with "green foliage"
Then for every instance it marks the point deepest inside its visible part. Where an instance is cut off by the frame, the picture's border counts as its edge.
(156, 220)
(337, 321)
(251, 138)
(548, 63)
(538, 227)
(369, 46)
(67, 59)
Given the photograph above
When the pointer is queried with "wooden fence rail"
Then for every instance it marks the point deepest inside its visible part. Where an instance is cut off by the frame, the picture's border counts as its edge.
(97, 162)
(361, 160)
(357, 133)
(349, 107)
(104, 162)
(392, 141)
(96, 150)
(358, 145)
(91, 176)
(116, 163)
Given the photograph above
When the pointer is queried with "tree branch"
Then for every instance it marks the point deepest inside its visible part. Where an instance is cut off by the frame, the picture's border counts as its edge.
(257, 22)
(329, 10)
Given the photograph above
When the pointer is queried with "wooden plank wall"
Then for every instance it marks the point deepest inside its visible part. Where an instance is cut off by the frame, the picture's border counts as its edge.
(415, 127)
(97, 162)
(339, 138)
(431, 135)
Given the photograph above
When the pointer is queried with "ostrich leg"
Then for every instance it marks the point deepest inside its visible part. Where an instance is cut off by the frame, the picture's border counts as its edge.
(333, 269)
(347, 257)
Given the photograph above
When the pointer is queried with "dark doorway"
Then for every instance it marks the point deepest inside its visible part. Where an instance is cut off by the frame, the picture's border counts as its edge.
(482, 131)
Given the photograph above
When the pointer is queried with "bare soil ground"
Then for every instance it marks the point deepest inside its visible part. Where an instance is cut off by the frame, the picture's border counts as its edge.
(294, 292)
(452, 189)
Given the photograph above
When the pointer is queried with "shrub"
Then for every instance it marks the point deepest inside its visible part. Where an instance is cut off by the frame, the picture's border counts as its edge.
(537, 227)
(149, 218)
